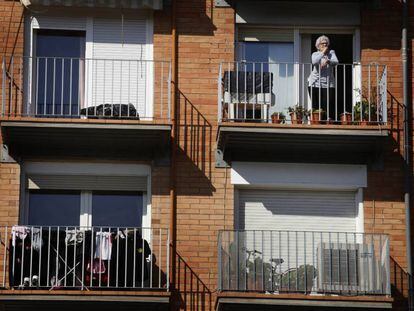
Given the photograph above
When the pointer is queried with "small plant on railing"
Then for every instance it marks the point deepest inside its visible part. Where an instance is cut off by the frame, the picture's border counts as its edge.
(297, 113)
(346, 118)
(278, 117)
(317, 116)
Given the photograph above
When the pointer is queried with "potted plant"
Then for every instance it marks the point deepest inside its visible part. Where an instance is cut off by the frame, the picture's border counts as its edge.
(317, 116)
(346, 118)
(296, 114)
(365, 112)
(278, 117)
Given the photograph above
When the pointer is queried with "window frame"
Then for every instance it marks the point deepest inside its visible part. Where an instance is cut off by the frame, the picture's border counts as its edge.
(102, 169)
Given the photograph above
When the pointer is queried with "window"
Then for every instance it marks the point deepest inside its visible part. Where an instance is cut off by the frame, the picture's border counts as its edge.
(54, 208)
(116, 208)
(58, 71)
(85, 208)
(276, 58)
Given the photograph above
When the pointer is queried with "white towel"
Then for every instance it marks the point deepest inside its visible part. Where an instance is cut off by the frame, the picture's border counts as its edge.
(103, 249)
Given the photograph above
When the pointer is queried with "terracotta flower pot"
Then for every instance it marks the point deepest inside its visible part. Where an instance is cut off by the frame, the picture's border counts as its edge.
(296, 118)
(346, 118)
(277, 119)
(317, 118)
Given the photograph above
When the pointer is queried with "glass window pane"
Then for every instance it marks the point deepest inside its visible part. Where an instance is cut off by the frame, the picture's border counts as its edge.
(117, 209)
(54, 208)
(59, 71)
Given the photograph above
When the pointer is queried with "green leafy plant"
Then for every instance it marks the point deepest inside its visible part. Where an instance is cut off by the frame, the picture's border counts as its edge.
(300, 279)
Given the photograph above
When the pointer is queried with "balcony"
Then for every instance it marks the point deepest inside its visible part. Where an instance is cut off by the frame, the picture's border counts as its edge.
(297, 268)
(267, 110)
(74, 106)
(67, 264)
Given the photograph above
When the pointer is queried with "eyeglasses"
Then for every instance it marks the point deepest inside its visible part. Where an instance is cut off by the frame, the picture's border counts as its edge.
(324, 43)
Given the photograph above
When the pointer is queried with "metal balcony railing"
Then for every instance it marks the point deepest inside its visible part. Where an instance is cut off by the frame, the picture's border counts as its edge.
(65, 87)
(84, 258)
(352, 94)
(304, 262)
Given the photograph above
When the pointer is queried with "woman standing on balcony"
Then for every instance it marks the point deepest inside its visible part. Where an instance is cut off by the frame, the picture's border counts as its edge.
(322, 80)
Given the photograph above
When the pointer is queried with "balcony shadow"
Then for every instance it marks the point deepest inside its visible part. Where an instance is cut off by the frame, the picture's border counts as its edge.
(194, 293)
(194, 158)
(399, 285)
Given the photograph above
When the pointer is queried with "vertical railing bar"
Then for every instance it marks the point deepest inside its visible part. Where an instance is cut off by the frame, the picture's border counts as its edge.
(369, 93)
(11, 85)
(237, 91)
(271, 263)
(5, 255)
(3, 87)
(74, 259)
(137, 86)
(129, 87)
(61, 87)
(31, 256)
(48, 258)
(66, 257)
(109, 266)
(245, 92)
(327, 100)
(377, 99)
(339, 264)
(159, 268)
(126, 258)
(336, 93)
(319, 90)
(162, 90)
(91, 258)
(355, 264)
(288, 253)
(330, 260)
(237, 259)
(54, 86)
(254, 260)
(254, 90)
(70, 90)
(280, 266)
(57, 258)
(120, 89)
(117, 256)
(83, 260)
(305, 268)
(263, 256)
(344, 95)
(135, 256)
(45, 94)
(348, 283)
(151, 232)
(22, 263)
(100, 257)
(142, 258)
(296, 259)
(112, 89)
(167, 260)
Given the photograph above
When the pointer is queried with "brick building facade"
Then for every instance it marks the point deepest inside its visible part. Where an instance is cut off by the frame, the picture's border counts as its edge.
(206, 194)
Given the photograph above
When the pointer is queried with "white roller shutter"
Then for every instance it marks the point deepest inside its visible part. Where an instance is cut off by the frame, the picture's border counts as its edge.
(58, 22)
(119, 82)
(265, 34)
(87, 182)
(297, 210)
(293, 212)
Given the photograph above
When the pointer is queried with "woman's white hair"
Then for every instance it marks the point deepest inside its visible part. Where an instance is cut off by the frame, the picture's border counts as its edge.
(320, 39)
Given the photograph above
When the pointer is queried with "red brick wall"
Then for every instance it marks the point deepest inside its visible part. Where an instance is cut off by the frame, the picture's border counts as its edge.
(204, 193)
